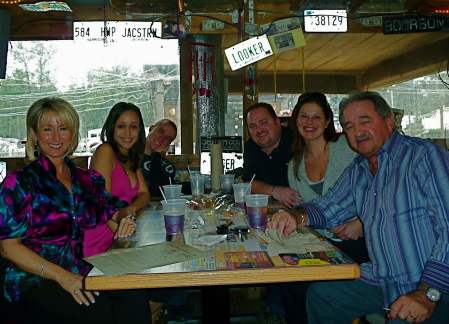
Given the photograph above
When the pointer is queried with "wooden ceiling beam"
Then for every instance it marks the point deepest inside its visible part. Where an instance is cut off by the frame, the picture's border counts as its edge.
(421, 61)
(59, 26)
(355, 5)
(413, 5)
(291, 83)
(295, 5)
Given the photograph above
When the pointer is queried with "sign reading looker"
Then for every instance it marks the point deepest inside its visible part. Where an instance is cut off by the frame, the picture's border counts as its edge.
(247, 52)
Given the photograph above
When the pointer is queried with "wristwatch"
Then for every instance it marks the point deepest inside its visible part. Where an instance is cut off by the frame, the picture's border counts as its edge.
(432, 293)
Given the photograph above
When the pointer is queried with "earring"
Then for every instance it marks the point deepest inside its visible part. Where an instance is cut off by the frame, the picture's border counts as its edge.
(36, 153)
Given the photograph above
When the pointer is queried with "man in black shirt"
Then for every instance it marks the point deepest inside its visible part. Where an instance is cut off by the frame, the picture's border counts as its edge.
(267, 154)
(156, 169)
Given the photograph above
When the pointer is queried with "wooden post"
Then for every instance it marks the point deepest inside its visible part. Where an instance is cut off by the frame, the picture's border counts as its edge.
(250, 74)
(186, 91)
(5, 23)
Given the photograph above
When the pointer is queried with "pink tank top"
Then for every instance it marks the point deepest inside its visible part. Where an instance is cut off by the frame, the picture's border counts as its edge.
(99, 239)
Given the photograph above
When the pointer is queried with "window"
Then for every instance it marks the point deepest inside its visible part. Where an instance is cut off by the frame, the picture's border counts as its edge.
(423, 104)
(93, 78)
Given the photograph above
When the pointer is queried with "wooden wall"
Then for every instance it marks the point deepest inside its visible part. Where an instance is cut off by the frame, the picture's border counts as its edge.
(180, 162)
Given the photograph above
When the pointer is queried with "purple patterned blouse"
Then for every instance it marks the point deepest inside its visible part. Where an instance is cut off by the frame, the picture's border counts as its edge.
(37, 208)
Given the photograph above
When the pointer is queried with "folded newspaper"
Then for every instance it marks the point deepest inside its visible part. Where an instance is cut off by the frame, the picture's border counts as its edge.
(122, 261)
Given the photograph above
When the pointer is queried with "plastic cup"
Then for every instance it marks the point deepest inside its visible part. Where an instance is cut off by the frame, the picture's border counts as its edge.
(197, 185)
(174, 212)
(240, 191)
(226, 182)
(172, 191)
(256, 207)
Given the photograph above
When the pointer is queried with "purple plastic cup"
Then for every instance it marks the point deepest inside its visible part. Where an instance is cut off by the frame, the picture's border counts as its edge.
(257, 207)
(174, 213)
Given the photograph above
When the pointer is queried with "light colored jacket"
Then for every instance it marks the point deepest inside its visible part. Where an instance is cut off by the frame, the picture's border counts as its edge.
(340, 156)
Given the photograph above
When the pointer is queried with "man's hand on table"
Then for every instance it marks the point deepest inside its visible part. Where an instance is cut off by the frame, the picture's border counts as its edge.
(413, 307)
(283, 221)
(287, 196)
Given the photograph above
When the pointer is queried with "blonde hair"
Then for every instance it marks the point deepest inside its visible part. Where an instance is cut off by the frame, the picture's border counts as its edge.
(39, 110)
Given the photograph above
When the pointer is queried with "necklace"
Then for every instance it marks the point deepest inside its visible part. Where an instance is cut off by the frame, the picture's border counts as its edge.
(125, 167)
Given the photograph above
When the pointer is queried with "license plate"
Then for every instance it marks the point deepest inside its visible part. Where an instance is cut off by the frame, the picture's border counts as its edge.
(325, 21)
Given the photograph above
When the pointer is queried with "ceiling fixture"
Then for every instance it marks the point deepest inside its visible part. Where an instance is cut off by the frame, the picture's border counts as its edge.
(10, 1)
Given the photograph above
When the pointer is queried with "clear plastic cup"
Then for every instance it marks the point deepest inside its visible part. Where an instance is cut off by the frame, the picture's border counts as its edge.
(256, 207)
(172, 191)
(226, 182)
(197, 185)
(174, 213)
(240, 191)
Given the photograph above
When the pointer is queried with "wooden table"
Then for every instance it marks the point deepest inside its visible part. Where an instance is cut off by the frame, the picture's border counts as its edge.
(219, 277)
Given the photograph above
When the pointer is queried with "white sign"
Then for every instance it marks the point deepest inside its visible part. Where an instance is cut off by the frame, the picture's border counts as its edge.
(231, 161)
(2, 171)
(116, 31)
(248, 52)
(325, 21)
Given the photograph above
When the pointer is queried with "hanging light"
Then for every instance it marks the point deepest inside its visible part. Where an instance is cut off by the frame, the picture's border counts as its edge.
(180, 5)
(10, 1)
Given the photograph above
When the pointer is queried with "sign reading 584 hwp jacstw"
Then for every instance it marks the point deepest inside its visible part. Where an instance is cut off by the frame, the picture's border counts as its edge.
(115, 31)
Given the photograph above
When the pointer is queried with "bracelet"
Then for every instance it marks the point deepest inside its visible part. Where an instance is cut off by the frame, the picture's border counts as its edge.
(272, 190)
(42, 268)
(131, 216)
(303, 217)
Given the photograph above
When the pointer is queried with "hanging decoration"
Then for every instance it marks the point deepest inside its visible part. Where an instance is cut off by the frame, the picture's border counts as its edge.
(174, 29)
(203, 63)
(204, 81)
(43, 6)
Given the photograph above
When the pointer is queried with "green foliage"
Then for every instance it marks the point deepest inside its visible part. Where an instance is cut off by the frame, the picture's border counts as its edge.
(31, 78)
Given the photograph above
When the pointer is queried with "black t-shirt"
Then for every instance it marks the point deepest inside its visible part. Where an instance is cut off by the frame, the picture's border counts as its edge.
(271, 168)
(157, 170)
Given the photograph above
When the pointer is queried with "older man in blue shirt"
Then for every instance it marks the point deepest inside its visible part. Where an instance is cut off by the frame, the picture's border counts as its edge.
(399, 187)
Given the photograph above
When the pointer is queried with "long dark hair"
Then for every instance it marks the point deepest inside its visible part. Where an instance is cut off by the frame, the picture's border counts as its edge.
(135, 153)
(298, 144)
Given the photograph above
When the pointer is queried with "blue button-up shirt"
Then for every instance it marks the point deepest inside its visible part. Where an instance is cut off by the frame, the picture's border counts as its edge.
(405, 212)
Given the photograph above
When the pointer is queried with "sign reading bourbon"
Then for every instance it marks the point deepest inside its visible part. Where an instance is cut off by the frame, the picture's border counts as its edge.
(415, 24)
(229, 144)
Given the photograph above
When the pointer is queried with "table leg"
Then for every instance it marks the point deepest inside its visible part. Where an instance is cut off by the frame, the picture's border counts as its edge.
(216, 305)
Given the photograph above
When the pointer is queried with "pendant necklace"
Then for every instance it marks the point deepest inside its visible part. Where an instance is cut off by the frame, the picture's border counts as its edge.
(125, 168)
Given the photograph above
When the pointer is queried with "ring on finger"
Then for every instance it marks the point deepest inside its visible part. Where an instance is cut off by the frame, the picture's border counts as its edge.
(413, 317)
(76, 292)
(132, 226)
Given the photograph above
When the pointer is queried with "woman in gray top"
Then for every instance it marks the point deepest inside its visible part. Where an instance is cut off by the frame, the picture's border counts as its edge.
(320, 155)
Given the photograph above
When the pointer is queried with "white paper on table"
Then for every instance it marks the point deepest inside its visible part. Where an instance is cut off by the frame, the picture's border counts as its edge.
(211, 239)
(123, 261)
(295, 243)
